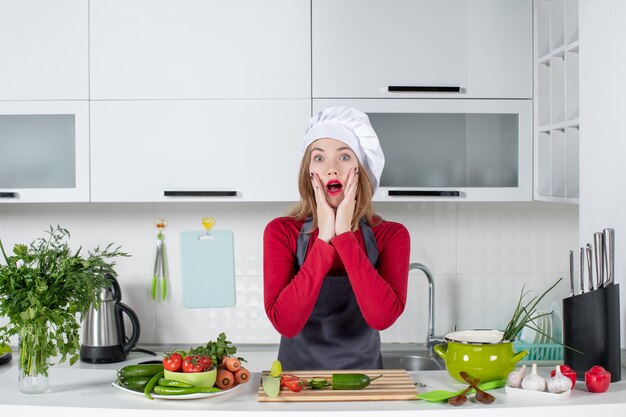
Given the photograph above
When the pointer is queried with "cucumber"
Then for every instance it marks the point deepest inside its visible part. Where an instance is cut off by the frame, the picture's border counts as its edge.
(161, 390)
(132, 371)
(351, 381)
(318, 383)
(137, 383)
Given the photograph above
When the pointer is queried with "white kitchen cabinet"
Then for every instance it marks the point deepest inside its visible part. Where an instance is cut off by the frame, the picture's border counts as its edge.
(200, 49)
(44, 151)
(451, 150)
(557, 101)
(44, 49)
(196, 150)
(424, 48)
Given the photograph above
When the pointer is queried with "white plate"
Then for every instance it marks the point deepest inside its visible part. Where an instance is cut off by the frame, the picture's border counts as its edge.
(557, 322)
(180, 397)
(538, 395)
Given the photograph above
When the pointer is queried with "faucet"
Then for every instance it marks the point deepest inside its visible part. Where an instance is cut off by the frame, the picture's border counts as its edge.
(431, 340)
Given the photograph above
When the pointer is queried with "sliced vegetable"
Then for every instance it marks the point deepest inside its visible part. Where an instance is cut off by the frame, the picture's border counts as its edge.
(295, 386)
(271, 386)
(287, 377)
(242, 376)
(161, 390)
(276, 369)
(317, 383)
(351, 381)
(140, 370)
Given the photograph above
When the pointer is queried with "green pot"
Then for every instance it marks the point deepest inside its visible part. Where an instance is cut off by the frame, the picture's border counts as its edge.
(480, 353)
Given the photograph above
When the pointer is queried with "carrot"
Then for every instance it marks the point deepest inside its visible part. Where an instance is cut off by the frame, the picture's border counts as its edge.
(225, 379)
(231, 363)
(242, 376)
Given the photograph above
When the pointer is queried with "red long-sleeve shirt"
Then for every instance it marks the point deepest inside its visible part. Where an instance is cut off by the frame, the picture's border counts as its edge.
(290, 297)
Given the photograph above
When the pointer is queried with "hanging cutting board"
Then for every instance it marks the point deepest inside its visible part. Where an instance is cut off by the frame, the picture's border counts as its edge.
(208, 269)
(395, 384)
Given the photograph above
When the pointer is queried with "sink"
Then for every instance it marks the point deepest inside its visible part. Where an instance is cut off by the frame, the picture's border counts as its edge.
(410, 361)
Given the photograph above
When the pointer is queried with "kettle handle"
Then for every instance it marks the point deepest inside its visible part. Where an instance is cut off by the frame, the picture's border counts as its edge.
(123, 308)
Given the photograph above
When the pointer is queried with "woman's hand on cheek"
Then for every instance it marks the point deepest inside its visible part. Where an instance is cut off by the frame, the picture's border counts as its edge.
(325, 213)
(345, 211)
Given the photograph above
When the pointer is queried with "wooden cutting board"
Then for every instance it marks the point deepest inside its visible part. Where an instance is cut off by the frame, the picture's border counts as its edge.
(395, 384)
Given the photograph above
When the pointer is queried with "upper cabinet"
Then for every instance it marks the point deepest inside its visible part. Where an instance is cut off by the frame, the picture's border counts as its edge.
(44, 50)
(557, 127)
(422, 49)
(200, 49)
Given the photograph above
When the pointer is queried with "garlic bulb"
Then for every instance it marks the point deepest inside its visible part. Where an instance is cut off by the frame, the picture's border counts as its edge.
(534, 381)
(514, 380)
(559, 383)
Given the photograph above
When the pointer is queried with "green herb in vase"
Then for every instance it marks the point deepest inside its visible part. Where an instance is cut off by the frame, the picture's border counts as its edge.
(44, 289)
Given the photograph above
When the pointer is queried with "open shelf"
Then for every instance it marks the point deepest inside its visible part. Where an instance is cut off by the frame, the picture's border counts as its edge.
(557, 99)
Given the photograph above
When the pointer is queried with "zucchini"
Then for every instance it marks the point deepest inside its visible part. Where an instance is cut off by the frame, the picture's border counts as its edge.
(161, 390)
(351, 381)
(132, 371)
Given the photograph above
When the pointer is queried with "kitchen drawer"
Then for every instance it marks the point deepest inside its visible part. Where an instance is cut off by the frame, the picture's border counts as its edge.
(196, 150)
(200, 49)
(362, 47)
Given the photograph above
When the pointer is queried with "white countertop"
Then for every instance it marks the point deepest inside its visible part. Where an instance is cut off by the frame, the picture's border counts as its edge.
(85, 390)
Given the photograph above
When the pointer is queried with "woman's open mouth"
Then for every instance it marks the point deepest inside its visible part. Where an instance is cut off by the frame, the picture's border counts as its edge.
(333, 187)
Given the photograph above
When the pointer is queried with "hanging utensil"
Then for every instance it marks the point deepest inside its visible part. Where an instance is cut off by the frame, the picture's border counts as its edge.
(159, 277)
(609, 251)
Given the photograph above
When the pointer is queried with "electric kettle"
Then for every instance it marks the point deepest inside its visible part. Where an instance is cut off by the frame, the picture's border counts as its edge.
(104, 338)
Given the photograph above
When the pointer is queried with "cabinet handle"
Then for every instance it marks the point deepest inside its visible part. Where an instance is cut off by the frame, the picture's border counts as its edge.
(423, 89)
(200, 193)
(421, 193)
(8, 194)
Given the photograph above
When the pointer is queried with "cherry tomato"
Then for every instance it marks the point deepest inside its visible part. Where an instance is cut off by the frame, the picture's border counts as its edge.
(568, 372)
(295, 385)
(597, 379)
(191, 364)
(172, 362)
(205, 361)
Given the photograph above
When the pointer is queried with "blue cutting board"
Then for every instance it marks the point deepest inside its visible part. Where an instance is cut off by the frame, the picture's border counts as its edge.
(208, 269)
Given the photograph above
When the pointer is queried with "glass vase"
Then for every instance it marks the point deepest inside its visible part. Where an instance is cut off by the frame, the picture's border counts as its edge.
(32, 372)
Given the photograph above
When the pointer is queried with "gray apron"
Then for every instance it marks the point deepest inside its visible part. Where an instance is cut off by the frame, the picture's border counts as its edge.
(336, 335)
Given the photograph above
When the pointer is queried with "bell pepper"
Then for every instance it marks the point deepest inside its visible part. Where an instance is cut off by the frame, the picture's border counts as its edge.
(597, 379)
(568, 372)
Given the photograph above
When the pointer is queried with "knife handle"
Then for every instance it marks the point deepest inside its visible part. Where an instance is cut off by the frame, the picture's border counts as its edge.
(589, 257)
(582, 270)
(598, 243)
(571, 273)
(609, 252)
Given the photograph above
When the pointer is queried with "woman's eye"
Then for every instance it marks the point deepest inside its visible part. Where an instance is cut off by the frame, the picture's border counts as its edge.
(317, 158)
(344, 157)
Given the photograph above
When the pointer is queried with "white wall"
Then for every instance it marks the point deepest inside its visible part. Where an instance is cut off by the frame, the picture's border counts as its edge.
(480, 254)
(602, 134)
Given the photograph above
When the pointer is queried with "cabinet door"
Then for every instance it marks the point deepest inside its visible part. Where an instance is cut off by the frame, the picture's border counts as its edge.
(194, 49)
(362, 47)
(44, 49)
(44, 151)
(196, 150)
(451, 150)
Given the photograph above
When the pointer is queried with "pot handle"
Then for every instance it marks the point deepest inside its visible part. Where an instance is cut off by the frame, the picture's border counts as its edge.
(134, 338)
(519, 356)
(441, 350)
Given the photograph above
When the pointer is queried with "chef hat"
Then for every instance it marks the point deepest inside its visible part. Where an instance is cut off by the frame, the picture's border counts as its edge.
(353, 128)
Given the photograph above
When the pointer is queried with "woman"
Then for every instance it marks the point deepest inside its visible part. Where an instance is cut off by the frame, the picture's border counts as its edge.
(334, 272)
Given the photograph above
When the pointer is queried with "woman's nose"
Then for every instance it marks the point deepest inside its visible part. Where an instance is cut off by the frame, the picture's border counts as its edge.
(332, 172)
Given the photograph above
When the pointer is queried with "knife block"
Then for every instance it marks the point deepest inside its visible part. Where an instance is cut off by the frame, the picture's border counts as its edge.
(591, 325)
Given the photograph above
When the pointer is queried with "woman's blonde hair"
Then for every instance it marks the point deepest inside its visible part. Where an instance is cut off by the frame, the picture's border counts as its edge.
(307, 207)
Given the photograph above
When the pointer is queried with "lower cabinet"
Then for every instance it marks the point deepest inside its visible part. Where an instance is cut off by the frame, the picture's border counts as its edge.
(196, 150)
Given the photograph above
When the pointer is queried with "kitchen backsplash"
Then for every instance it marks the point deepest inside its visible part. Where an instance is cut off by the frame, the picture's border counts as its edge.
(481, 254)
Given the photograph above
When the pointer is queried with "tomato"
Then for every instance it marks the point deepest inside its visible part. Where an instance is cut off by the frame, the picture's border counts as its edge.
(295, 385)
(205, 361)
(284, 378)
(597, 379)
(172, 362)
(191, 364)
(568, 372)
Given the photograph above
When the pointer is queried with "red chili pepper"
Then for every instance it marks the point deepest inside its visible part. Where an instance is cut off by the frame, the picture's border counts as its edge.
(568, 372)
(597, 379)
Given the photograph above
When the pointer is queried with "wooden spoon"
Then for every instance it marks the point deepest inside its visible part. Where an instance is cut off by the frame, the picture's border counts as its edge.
(481, 396)
(461, 398)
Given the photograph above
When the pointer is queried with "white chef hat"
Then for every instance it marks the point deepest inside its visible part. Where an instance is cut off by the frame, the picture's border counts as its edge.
(353, 128)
